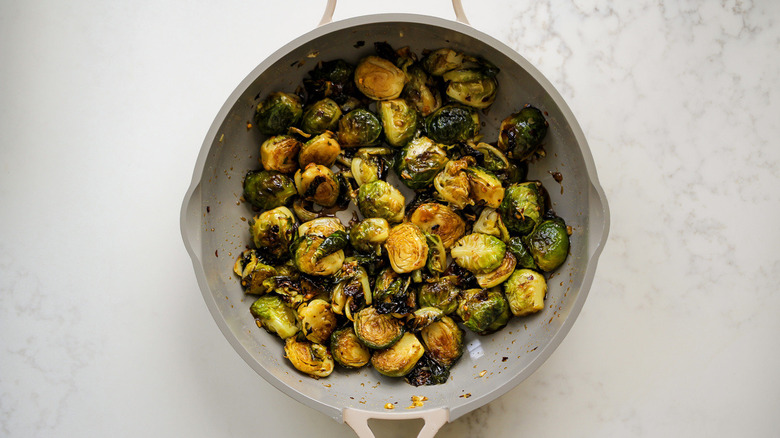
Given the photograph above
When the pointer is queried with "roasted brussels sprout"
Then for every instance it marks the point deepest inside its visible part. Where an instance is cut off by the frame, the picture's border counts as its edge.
(521, 208)
(323, 227)
(380, 199)
(359, 127)
(483, 311)
(400, 358)
(369, 165)
(353, 290)
(268, 189)
(317, 320)
(492, 158)
(322, 149)
(331, 79)
(407, 248)
(379, 79)
(318, 184)
(522, 133)
(272, 314)
(392, 293)
(306, 256)
(253, 272)
(347, 350)
(548, 243)
(368, 235)
(452, 183)
(524, 258)
(440, 220)
(484, 187)
(399, 121)
(272, 231)
(443, 340)
(479, 253)
(423, 317)
(277, 113)
(437, 254)
(375, 330)
(473, 87)
(442, 293)
(525, 290)
(452, 123)
(427, 372)
(419, 162)
(489, 222)
(321, 116)
(498, 275)
(421, 91)
(278, 153)
(309, 358)
(441, 61)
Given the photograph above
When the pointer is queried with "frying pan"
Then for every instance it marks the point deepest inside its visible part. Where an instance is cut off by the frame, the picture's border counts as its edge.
(214, 224)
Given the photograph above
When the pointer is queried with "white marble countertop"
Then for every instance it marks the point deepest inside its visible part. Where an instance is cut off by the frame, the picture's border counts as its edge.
(104, 107)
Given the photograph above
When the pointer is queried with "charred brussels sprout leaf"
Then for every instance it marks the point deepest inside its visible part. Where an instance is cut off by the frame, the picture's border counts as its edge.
(443, 341)
(253, 272)
(392, 293)
(498, 275)
(440, 220)
(399, 121)
(321, 116)
(419, 162)
(369, 165)
(423, 317)
(332, 79)
(347, 350)
(452, 123)
(521, 208)
(379, 79)
(479, 253)
(484, 311)
(272, 231)
(381, 200)
(323, 227)
(318, 184)
(428, 372)
(525, 290)
(375, 330)
(277, 113)
(441, 61)
(322, 149)
(278, 153)
(524, 258)
(335, 242)
(522, 133)
(267, 189)
(399, 359)
(304, 252)
(548, 243)
(309, 358)
(421, 91)
(368, 235)
(442, 293)
(317, 320)
(359, 127)
(274, 316)
(407, 248)
(437, 254)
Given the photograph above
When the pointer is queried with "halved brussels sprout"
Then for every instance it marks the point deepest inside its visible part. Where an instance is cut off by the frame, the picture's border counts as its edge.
(369, 165)
(321, 116)
(489, 222)
(272, 314)
(400, 358)
(331, 79)
(322, 149)
(359, 127)
(479, 253)
(368, 235)
(272, 231)
(353, 290)
(318, 184)
(375, 330)
(317, 320)
(309, 358)
(427, 372)
(421, 91)
(407, 248)
(441, 61)
(524, 258)
(521, 208)
(437, 254)
(278, 153)
(305, 255)
(323, 227)
(443, 341)
(452, 123)
(419, 162)
(382, 200)
(347, 349)
(399, 121)
(548, 243)
(379, 79)
(452, 183)
(525, 290)
(440, 220)
(472, 87)
(498, 275)
(253, 272)
(492, 158)
(277, 113)
(484, 187)
(484, 311)
(423, 317)
(522, 133)
(392, 293)
(268, 189)
(442, 293)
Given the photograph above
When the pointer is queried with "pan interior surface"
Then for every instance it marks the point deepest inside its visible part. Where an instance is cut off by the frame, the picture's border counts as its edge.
(491, 365)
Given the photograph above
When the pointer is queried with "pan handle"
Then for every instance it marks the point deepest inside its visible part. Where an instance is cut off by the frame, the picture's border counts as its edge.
(358, 420)
(330, 7)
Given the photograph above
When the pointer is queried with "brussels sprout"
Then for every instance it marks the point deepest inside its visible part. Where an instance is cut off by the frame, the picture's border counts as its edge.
(441, 61)
(335, 242)
(419, 162)
(347, 349)
(379, 79)
(369, 165)
(331, 79)
(399, 121)
(368, 235)
(322, 149)
(359, 127)
(375, 330)
(309, 358)
(437, 254)
(489, 222)
(521, 208)
(522, 133)
(400, 358)
(525, 290)
(407, 248)
(323, 227)
(274, 316)
(524, 258)
(318, 184)
(423, 317)
(392, 293)
(440, 220)
(253, 272)
(321, 116)
(498, 275)
(492, 158)
(272, 231)
(353, 290)
(452, 184)
(267, 189)
(304, 251)
(380, 199)
(472, 87)
(443, 340)
(452, 123)
(442, 293)
(427, 372)
(288, 288)
(548, 243)
(278, 153)
(277, 113)
(421, 91)
(317, 320)
(484, 187)
(484, 311)
(479, 253)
